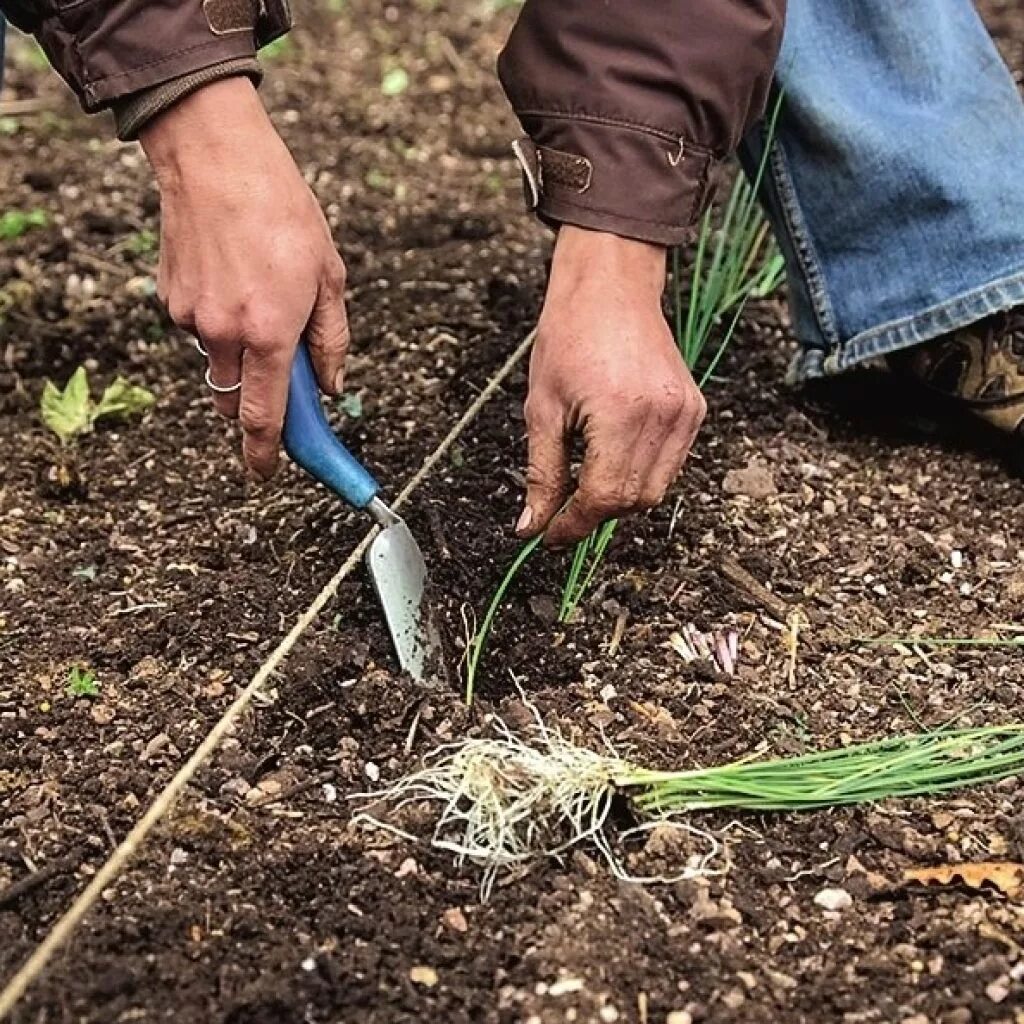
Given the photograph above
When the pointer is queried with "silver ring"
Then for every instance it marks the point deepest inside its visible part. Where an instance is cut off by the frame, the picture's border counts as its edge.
(217, 388)
(199, 348)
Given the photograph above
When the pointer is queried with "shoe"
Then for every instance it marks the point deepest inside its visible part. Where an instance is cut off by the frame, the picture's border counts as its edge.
(980, 367)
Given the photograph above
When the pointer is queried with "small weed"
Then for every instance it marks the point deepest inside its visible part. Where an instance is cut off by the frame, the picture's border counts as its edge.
(72, 412)
(15, 223)
(142, 243)
(82, 682)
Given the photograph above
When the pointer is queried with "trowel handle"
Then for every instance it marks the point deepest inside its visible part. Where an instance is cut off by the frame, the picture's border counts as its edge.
(310, 442)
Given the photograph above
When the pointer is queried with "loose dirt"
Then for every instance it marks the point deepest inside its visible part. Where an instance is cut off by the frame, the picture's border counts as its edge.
(171, 576)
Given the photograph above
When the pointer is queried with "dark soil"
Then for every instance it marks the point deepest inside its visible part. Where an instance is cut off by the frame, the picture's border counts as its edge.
(170, 576)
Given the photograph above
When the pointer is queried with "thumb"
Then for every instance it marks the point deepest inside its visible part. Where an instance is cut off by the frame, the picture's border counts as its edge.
(547, 474)
(327, 335)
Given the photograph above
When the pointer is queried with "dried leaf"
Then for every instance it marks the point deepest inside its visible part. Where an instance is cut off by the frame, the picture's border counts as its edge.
(1006, 876)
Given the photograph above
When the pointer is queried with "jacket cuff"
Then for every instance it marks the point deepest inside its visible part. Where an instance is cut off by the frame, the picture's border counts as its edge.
(133, 112)
(586, 173)
(111, 50)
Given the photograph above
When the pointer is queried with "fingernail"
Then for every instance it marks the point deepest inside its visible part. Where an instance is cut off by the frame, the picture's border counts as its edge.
(525, 519)
(339, 382)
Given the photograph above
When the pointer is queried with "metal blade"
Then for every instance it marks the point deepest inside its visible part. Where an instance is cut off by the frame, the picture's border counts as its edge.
(399, 574)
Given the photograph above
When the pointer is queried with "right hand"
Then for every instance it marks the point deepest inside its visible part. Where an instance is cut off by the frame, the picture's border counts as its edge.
(247, 263)
(604, 365)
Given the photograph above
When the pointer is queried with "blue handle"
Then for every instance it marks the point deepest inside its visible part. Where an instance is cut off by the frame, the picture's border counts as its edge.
(310, 442)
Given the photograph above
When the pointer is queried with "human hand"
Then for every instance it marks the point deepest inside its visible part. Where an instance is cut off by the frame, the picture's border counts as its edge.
(247, 263)
(605, 364)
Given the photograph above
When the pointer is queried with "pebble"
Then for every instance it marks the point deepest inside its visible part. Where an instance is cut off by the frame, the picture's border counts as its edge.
(997, 991)
(455, 919)
(608, 1014)
(679, 1017)
(833, 899)
(372, 771)
(330, 792)
(423, 975)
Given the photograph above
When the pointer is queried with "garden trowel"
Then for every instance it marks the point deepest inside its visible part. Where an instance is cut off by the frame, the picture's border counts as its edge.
(394, 559)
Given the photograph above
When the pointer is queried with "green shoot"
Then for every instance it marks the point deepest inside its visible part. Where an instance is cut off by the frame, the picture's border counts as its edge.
(475, 648)
(394, 82)
(82, 683)
(505, 800)
(586, 560)
(15, 223)
(72, 412)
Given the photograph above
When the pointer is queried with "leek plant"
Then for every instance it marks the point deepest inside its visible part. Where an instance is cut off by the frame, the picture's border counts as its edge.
(505, 800)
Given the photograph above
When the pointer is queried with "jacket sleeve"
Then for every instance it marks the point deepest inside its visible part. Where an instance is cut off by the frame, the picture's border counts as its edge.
(107, 50)
(628, 105)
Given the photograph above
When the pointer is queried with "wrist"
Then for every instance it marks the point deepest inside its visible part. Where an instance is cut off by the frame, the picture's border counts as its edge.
(582, 254)
(218, 117)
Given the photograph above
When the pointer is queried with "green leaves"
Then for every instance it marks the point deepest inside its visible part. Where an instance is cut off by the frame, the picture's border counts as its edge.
(82, 682)
(72, 412)
(66, 412)
(14, 223)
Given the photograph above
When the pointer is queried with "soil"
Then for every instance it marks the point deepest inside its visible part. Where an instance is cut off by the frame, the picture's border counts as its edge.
(167, 573)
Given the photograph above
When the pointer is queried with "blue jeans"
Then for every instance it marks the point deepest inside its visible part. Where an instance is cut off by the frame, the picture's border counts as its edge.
(894, 184)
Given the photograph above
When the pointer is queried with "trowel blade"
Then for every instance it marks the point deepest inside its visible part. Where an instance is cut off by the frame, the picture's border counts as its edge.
(399, 574)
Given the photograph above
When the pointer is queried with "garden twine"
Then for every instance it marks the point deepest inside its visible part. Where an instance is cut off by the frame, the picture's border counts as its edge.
(129, 846)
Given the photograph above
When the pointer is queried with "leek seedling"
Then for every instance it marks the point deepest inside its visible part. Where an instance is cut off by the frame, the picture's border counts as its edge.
(505, 801)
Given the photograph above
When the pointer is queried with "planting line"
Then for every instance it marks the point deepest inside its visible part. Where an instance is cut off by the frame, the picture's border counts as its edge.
(130, 845)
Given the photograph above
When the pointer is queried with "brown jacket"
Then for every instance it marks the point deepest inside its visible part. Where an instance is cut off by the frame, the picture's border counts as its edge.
(627, 104)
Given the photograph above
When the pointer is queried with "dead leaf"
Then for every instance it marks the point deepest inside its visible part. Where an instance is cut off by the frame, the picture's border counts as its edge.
(1006, 876)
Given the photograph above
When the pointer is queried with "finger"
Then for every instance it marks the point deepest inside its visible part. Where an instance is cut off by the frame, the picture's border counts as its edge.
(224, 369)
(547, 473)
(328, 337)
(264, 396)
(610, 485)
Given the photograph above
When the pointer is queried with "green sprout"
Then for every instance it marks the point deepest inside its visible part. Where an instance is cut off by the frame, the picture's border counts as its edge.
(82, 683)
(72, 412)
(15, 223)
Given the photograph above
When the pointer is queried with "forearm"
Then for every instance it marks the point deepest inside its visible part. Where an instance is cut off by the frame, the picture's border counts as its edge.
(628, 109)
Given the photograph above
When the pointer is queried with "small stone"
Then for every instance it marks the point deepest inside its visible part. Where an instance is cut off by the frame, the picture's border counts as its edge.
(102, 714)
(423, 975)
(679, 1017)
(407, 867)
(372, 771)
(755, 480)
(998, 990)
(734, 998)
(565, 987)
(330, 792)
(236, 787)
(455, 920)
(608, 692)
(608, 1014)
(309, 964)
(833, 899)
(178, 857)
(155, 745)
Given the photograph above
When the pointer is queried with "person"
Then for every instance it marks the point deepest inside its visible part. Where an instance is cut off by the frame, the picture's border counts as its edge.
(891, 189)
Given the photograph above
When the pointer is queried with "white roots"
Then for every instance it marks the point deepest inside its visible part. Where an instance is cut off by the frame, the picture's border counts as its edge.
(504, 802)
